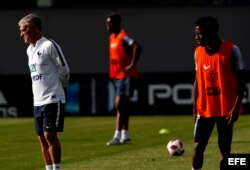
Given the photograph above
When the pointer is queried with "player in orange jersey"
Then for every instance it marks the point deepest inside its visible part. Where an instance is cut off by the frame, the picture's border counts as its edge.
(124, 53)
(218, 88)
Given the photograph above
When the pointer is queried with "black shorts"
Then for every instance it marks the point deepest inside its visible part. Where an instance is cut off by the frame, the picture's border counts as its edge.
(204, 127)
(49, 117)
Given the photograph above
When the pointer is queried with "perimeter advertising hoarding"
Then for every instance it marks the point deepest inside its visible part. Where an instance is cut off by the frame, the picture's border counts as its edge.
(15, 96)
(93, 94)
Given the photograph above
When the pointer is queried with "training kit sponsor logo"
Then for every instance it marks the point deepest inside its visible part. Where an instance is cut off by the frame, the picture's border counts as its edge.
(206, 66)
(37, 77)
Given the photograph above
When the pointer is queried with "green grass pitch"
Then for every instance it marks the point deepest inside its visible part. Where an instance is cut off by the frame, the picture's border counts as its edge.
(84, 144)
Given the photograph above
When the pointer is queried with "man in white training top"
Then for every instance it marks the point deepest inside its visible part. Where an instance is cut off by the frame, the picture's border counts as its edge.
(50, 76)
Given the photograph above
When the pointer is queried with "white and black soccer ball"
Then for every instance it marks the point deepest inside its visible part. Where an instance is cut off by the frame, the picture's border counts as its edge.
(175, 147)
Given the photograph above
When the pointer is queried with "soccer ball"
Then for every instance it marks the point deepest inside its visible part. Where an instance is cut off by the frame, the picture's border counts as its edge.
(175, 147)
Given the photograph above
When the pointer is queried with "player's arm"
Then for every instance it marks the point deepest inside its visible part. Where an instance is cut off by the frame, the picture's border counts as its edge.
(238, 65)
(134, 49)
(195, 92)
(195, 98)
(61, 64)
(136, 52)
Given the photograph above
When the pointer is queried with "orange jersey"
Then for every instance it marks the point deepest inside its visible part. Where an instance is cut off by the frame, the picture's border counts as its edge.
(217, 81)
(119, 59)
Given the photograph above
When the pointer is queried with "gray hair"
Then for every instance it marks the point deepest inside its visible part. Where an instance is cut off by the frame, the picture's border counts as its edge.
(31, 19)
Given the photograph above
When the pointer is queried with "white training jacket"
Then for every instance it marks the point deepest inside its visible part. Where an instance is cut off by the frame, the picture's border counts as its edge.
(49, 72)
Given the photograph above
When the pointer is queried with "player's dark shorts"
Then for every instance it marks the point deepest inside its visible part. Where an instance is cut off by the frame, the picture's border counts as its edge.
(49, 117)
(204, 127)
(124, 87)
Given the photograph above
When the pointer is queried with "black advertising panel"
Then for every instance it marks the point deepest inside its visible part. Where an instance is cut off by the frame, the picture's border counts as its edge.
(15, 96)
(93, 94)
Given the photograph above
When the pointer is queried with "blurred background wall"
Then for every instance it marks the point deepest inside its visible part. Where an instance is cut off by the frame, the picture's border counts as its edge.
(165, 30)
